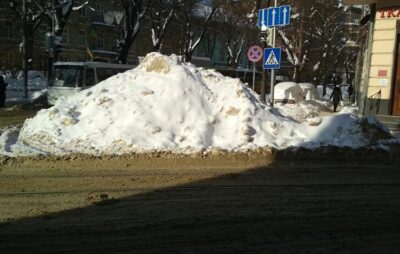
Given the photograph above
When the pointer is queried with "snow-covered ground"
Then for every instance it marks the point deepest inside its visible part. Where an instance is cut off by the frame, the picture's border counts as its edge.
(166, 105)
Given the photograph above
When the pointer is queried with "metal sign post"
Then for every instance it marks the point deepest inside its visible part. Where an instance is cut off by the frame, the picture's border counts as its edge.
(273, 70)
(273, 17)
(24, 49)
(254, 75)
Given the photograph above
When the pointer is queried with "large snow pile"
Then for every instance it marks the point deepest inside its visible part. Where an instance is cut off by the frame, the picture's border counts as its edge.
(166, 105)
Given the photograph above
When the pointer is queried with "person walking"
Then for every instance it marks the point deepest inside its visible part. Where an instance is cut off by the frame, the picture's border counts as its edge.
(350, 91)
(3, 86)
(337, 97)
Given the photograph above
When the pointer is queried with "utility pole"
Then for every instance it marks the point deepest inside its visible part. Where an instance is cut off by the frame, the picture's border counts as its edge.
(50, 40)
(273, 70)
(263, 91)
(24, 50)
(53, 27)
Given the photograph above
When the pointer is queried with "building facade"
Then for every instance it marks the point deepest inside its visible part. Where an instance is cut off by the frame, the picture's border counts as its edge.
(379, 60)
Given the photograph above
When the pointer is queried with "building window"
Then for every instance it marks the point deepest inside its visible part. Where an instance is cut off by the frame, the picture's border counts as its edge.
(99, 9)
(100, 40)
(7, 30)
(82, 38)
(65, 36)
(90, 77)
(3, 29)
(63, 59)
(82, 11)
(42, 33)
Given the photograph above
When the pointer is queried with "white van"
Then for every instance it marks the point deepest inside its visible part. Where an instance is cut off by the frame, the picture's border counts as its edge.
(71, 77)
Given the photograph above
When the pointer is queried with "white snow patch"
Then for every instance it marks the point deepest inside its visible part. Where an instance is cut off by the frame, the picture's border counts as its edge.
(310, 91)
(303, 111)
(288, 91)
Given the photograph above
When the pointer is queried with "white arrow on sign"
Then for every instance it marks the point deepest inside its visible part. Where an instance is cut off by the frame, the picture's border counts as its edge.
(273, 16)
(284, 15)
(263, 18)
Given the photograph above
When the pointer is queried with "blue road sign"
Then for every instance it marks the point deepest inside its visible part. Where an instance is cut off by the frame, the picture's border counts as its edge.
(272, 58)
(284, 15)
(275, 16)
(261, 18)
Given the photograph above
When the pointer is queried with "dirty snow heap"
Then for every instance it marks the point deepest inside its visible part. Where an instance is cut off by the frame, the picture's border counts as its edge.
(166, 105)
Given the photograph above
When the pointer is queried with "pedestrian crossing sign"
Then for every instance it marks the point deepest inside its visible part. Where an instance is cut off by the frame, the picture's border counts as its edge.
(272, 58)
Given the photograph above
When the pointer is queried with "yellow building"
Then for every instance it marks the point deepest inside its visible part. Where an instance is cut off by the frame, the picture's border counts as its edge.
(379, 61)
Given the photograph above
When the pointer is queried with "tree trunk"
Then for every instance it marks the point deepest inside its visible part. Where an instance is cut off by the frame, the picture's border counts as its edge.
(231, 62)
(188, 56)
(211, 48)
(123, 55)
(263, 91)
(157, 47)
(50, 62)
(124, 50)
(325, 74)
(296, 74)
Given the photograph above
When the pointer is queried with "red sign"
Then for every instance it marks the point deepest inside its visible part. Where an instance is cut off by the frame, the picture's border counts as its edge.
(255, 53)
(390, 13)
(382, 73)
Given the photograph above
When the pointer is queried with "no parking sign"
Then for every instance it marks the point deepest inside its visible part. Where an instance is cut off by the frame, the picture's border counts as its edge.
(255, 53)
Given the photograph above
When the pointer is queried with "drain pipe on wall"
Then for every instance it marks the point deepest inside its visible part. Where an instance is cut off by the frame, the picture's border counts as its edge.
(363, 104)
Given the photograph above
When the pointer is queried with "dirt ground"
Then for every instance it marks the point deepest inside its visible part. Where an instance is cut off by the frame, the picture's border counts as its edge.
(14, 116)
(327, 201)
(80, 204)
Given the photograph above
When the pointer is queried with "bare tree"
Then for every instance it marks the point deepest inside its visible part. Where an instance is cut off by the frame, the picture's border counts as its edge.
(328, 34)
(160, 15)
(133, 15)
(194, 17)
(210, 39)
(42, 12)
(237, 21)
(38, 11)
(297, 37)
